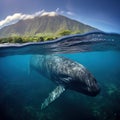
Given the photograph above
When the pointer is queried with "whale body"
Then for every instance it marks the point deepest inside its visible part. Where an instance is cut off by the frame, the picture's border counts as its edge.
(66, 73)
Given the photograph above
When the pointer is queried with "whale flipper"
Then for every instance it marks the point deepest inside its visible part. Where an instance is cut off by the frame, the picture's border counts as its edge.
(52, 96)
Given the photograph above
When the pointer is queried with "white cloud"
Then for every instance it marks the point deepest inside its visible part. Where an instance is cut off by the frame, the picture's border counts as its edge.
(49, 13)
(64, 12)
(38, 13)
(11, 19)
(57, 10)
(70, 13)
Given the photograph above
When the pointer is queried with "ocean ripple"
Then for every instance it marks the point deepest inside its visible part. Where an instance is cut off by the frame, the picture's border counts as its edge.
(95, 41)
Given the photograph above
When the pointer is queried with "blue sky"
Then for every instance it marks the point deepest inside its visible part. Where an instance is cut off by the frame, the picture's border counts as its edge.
(103, 14)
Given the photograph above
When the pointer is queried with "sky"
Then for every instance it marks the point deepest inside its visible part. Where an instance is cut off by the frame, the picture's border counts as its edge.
(102, 14)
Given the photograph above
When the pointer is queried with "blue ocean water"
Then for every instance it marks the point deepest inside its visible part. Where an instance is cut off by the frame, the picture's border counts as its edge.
(21, 92)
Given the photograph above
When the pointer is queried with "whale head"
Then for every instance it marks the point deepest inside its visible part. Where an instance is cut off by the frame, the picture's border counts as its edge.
(85, 83)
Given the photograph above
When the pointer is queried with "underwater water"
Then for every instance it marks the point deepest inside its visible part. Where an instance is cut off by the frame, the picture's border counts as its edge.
(22, 92)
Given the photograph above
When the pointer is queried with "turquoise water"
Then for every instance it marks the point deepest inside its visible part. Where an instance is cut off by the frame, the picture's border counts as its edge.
(21, 93)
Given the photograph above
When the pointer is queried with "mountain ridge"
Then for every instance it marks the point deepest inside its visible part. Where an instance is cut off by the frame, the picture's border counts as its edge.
(45, 23)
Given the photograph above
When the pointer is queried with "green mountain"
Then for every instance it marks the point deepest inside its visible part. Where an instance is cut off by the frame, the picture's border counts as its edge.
(44, 24)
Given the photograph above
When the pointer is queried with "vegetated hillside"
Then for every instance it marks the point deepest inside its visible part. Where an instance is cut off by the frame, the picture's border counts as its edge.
(44, 24)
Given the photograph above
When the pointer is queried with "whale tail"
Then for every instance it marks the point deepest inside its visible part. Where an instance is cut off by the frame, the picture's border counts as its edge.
(53, 96)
